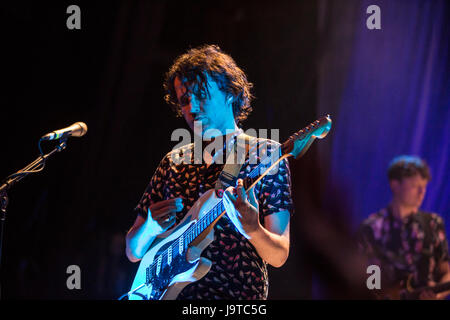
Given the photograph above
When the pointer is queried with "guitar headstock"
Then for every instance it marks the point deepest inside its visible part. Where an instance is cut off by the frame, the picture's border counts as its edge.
(299, 142)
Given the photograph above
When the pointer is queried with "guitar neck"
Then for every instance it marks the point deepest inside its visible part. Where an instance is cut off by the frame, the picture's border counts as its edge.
(212, 217)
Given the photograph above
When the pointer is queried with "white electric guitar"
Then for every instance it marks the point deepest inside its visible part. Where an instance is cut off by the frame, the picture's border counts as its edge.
(173, 260)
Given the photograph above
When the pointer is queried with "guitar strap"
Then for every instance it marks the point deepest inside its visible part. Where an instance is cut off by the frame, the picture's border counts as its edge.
(235, 161)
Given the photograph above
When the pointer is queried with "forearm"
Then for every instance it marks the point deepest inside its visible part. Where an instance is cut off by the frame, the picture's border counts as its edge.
(271, 247)
(138, 240)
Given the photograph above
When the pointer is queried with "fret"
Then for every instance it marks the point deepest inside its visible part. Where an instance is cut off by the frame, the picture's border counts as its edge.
(221, 208)
(214, 214)
(209, 216)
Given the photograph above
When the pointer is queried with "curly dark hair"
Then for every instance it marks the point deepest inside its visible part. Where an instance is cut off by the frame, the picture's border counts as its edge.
(408, 166)
(191, 68)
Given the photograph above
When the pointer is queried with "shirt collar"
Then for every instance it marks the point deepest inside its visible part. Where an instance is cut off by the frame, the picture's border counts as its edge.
(228, 142)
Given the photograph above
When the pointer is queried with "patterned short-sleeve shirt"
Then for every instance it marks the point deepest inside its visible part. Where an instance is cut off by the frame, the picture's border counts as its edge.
(237, 271)
(414, 246)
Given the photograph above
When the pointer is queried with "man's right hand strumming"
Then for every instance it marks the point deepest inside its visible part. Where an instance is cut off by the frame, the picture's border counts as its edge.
(160, 217)
(164, 212)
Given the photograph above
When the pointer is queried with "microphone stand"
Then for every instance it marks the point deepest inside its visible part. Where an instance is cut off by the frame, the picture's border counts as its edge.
(34, 167)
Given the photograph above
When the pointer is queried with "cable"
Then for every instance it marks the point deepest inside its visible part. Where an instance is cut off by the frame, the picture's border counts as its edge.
(123, 296)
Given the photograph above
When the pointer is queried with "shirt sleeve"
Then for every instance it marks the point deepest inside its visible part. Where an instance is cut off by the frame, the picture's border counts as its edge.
(154, 191)
(275, 193)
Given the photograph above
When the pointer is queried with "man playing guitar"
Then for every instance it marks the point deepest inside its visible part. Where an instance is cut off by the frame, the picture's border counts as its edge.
(408, 244)
(207, 88)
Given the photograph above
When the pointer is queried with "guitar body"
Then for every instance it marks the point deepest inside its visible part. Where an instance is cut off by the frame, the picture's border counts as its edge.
(185, 268)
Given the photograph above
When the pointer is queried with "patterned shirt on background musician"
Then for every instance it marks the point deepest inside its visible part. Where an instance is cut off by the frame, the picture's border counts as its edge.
(402, 247)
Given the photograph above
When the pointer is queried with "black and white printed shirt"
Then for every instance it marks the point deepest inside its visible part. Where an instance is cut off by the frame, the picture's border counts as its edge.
(237, 271)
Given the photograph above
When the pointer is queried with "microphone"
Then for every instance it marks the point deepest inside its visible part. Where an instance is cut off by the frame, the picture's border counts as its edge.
(78, 129)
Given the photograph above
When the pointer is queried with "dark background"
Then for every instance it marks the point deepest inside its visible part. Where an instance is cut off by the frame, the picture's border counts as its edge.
(298, 54)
